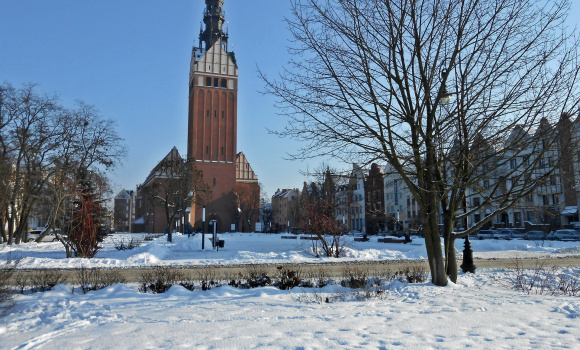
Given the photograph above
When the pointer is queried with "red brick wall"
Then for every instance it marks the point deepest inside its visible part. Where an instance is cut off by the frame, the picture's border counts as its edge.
(222, 205)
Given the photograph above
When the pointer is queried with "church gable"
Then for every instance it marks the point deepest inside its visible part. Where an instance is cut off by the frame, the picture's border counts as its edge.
(244, 171)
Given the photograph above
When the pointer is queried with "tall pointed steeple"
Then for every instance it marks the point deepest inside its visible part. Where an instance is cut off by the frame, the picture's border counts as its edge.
(214, 18)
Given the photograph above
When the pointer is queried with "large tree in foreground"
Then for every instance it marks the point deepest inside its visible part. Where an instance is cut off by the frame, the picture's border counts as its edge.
(445, 91)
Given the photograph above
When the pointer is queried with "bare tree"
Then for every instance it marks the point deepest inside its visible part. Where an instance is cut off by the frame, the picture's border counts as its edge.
(419, 83)
(30, 144)
(320, 214)
(47, 151)
(249, 197)
(89, 146)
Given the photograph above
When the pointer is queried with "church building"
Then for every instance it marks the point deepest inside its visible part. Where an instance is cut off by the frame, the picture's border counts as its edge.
(212, 129)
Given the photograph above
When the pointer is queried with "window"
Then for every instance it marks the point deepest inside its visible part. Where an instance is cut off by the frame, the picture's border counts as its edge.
(215, 82)
(476, 202)
(485, 183)
(222, 151)
(207, 113)
(214, 182)
(513, 163)
(224, 83)
(208, 81)
(542, 162)
(207, 149)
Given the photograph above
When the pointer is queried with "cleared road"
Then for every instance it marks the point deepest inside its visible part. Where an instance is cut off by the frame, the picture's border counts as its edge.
(315, 270)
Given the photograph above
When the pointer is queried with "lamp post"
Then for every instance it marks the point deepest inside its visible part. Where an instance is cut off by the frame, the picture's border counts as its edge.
(203, 228)
(467, 264)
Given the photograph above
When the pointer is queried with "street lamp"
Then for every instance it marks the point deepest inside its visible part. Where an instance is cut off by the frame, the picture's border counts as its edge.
(445, 95)
(467, 265)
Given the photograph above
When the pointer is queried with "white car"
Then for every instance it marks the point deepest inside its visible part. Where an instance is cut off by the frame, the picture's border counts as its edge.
(49, 237)
(564, 235)
(486, 234)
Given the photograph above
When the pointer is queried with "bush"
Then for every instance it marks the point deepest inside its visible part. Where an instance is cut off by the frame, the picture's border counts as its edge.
(159, 279)
(95, 279)
(288, 279)
(132, 244)
(318, 278)
(414, 273)
(45, 280)
(355, 278)
(6, 271)
(149, 238)
(543, 280)
(207, 276)
(256, 277)
(22, 281)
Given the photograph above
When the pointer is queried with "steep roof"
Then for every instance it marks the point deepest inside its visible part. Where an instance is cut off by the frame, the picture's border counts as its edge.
(173, 154)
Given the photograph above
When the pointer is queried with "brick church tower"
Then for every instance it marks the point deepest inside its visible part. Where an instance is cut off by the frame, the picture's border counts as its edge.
(212, 127)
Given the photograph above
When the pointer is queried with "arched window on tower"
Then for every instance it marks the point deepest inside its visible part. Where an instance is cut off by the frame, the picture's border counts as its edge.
(214, 182)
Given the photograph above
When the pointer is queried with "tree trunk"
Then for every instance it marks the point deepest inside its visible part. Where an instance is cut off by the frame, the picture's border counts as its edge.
(451, 259)
(434, 251)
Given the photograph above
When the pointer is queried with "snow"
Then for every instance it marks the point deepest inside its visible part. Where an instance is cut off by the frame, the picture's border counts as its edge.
(255, 248)
(481, 311)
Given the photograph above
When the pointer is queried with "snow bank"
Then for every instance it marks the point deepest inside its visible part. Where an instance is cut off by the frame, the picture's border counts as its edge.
(255, 248)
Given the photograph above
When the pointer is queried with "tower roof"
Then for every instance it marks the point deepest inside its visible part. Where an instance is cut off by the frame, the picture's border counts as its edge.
(214, 18)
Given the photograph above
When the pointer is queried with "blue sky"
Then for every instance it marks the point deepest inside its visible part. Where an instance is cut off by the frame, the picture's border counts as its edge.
(130, 58)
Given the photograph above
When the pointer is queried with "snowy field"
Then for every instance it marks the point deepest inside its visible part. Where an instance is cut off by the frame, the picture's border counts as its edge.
(252, 248)
(481, 311)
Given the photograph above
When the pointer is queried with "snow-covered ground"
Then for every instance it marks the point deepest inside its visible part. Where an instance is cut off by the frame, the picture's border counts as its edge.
(481, 311)
(252, 248)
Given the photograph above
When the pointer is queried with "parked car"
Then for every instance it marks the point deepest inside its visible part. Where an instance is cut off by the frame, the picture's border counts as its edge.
(509, 234)
(518, 234)
(564, 235)
(486, 234)
(49, 237)
(536, 235)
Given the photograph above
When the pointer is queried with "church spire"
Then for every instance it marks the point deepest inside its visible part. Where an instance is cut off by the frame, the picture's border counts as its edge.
(214, 18)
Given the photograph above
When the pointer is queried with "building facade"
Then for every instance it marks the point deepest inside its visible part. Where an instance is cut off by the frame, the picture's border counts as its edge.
(374, 200)
(212, 123)
(285, 210)
(123, 211)
(356, 199)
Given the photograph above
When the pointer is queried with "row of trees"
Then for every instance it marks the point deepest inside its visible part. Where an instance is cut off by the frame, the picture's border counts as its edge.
(418, 84)
(52, 165)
